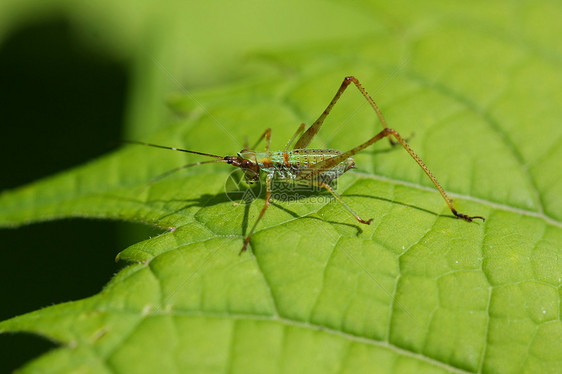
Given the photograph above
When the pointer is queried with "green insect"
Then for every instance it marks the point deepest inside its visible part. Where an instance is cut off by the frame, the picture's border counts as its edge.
(313, 167)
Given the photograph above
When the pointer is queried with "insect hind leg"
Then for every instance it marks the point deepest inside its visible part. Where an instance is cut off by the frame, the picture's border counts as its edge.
(311, 132)
(333, 161)
(402, 141)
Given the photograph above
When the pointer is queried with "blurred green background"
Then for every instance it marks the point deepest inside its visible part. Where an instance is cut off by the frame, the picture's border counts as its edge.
(76, 77)
(62, 104)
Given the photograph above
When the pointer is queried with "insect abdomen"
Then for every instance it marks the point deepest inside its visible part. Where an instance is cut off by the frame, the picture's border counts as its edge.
(288, 165)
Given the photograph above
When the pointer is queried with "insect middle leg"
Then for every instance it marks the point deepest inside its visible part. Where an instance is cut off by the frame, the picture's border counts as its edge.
(297, 133)
(338, 197)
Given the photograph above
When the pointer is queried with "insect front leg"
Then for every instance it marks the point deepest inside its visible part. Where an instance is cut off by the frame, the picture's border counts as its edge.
(265, 206)
(267, 135)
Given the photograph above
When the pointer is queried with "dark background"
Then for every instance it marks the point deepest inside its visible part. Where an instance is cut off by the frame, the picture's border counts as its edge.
(61, 105)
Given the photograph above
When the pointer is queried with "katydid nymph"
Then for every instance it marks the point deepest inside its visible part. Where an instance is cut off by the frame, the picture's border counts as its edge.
(314, 167)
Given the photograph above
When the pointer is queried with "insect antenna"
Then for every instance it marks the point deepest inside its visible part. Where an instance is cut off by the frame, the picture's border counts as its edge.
(172, 148)
(220, 159)
(172, 171)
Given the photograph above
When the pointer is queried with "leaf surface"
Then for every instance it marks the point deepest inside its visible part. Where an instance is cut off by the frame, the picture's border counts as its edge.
(416, 291)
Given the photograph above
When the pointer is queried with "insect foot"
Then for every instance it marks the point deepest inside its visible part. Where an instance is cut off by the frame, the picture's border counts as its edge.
(467, 218)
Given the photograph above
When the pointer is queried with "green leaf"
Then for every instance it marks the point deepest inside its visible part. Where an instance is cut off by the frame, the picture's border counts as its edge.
(416, 291)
